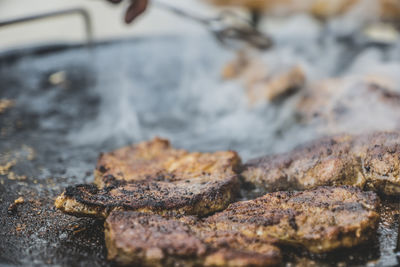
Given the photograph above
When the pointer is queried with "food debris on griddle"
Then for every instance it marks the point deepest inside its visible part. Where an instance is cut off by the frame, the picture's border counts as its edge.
(6, 104)
(5, 169)
(13, 206)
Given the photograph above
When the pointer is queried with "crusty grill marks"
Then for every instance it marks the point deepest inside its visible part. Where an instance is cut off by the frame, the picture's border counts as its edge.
(152, 240)
(321, 220)
(157, 158)
(372, 160)
(199, 196)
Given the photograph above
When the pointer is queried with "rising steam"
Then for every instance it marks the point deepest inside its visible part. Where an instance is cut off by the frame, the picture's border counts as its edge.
(173, 88)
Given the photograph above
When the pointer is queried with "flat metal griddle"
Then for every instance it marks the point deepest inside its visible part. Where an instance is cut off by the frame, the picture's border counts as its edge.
(56, 130)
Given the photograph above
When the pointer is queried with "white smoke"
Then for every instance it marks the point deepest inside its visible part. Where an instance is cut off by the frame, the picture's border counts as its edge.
(174, 88)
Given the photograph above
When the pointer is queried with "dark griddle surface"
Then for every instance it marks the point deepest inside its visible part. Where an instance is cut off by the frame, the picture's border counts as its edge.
(46, 133)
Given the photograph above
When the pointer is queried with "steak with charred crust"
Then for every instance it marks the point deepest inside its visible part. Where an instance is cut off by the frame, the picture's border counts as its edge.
(247, 232)
(199, 196)
(353, 104)
(369, 161)
(154, 177)
(152, 240)
(321, 219)
(156, 159)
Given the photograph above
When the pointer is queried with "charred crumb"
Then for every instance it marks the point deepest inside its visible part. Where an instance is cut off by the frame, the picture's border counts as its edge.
(292, 222)
(6, 104)
(102, 169)
(111, 182)
(12, 209)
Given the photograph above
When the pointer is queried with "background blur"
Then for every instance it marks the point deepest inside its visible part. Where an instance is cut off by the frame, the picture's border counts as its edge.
(107, 21)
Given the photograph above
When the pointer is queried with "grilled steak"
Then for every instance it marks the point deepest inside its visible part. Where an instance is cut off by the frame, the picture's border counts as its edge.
(322, 219)
(352, 104)
(151, 240)
(199, 196)
(156, 159)
(380, 161)
(153, 177)
(245, 233)
(264, 81)
(368, 161)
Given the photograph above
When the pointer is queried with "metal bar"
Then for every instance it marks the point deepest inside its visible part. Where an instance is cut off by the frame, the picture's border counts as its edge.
(79, 11)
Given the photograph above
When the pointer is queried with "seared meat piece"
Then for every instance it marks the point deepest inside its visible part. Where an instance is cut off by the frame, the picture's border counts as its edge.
(151, 240)
(371, 161)
(153, 177)
(244, 234)
(320, 220)
(326, 161)
(380, 161)
(157, 160)
(275, 86)
(352, 104)
(199, 196)
(5, 104)
(264, 81)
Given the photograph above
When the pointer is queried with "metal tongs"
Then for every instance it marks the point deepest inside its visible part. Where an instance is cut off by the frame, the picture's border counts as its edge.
(228, 28)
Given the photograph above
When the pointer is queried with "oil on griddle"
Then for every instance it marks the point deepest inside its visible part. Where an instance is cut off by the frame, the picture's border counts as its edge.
(70, 104)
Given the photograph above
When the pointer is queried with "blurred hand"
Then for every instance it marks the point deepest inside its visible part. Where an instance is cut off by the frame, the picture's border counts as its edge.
(135, 9)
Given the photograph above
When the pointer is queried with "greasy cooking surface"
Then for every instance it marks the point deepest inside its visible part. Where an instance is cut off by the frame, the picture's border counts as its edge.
(52, 135)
